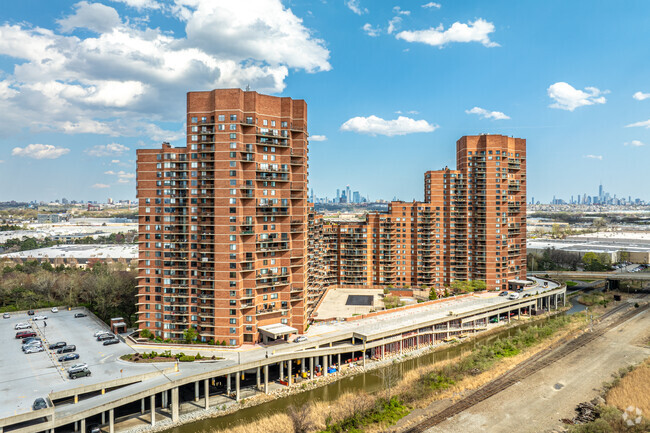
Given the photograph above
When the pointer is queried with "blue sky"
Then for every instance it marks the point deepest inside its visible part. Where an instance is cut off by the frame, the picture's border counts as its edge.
(390, 85)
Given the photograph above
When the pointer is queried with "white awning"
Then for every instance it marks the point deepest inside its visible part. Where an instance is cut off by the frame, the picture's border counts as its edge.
(277, 330)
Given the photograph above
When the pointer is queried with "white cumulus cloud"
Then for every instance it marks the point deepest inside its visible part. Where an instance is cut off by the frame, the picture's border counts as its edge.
(125, 76)
(598, 157)
(640, 96)
(634, 143)
(40, 151)
(107, 149)
(374, 125)
(355, 6)
(432, 5)
(477, 31)
(569, 98)
(317, 138)
(371, 31)
(100, 186)
(92, 16)
(485, 114)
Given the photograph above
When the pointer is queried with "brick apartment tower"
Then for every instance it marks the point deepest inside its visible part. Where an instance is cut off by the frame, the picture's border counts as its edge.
(471, 226)
(223, 221)
(482, 206)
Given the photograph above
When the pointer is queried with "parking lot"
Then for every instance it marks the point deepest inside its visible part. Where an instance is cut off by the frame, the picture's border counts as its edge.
(25, 377)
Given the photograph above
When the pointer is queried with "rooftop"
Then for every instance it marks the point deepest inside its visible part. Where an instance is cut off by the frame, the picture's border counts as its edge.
(126, 251)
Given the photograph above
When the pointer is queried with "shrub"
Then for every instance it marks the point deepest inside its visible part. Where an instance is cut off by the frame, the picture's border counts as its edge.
(145, 333)
(184, 358)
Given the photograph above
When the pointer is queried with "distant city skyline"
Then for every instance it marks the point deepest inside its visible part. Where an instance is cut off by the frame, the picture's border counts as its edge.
(601, 198)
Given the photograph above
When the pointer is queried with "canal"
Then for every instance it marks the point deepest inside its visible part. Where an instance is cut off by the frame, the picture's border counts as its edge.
(369, 381)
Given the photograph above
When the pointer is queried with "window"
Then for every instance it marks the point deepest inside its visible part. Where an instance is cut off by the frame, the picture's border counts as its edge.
(222, 118)
(233, 117)
(195, 138)
(233, 127)
(233, 135)
(265, 122)
(194, 120)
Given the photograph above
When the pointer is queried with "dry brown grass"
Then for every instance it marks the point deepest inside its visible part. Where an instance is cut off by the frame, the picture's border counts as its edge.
(632, 390)
(320, 413)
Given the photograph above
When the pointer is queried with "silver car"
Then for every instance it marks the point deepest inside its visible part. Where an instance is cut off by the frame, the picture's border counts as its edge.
(77, 367)
(22, 326)
(34, 349)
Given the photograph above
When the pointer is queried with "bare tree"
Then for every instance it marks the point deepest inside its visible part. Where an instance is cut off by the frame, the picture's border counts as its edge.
(389, 377)
(301, 418)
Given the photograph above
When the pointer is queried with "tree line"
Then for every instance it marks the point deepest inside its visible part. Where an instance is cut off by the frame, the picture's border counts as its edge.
(107, 291)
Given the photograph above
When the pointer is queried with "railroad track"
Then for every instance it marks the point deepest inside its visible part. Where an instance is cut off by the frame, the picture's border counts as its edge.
(531, 365)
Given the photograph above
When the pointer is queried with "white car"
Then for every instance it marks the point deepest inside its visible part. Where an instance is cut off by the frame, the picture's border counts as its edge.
(98, 333)
(76, 367)
(300, 339)
(513, 296)
(22, 326)
(34, 349)
(55, 310)
(40, 317)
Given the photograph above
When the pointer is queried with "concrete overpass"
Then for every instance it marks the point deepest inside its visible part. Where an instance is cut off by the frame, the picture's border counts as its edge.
(620, 276)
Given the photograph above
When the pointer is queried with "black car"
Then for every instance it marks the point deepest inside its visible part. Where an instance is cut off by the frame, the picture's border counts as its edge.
(103, 337)
(30, 312)
(57, 345)
(94, 428)
(30, 339)
(39, 403)
(67, 349)
(69, 357)
(78, 315)
(79, 373)
(111, 341)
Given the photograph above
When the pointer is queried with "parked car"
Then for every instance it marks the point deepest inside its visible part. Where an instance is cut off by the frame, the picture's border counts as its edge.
(67, 349)
(79, 373)
(41, 317)
(68, 357)
(111, 341)
(527, 295)
(94, 428)
(34, 349)
(55, 310)
(22, 326)
(78, 315)
(6, 316)
(30, 312)
(57, 345)
(25, 334)
(503, 294)
(103, 337)
(98, 333)
(32, 344)
(75, 367)
(39, 403)
(300, 339)
(30, 339)
(513, 296)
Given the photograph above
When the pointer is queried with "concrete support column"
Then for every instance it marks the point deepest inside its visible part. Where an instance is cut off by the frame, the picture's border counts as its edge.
(111, 421)
(338, 359)
(564, 299)
(103, 418)
(142, 403)
(311, 367)
(363, 355)
(237, 378)
(206, 391)
(175, 405)
(196, 391)
(266, 379)
(302, 365)
(324, 365)
(76, 426)
(259, 378)
(228, 384)
(289, 373)
(152, 401)
(401, 343)
(164, 399)
(282, 370)
(83, 425)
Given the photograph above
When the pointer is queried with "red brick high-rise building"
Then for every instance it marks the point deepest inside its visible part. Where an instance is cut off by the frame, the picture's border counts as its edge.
(223, 221)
